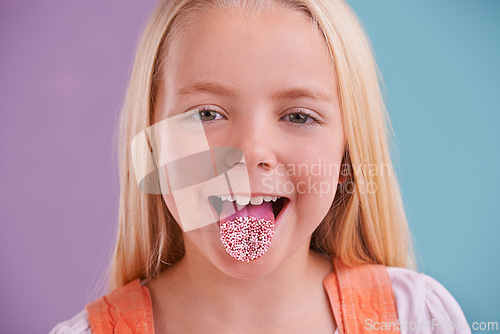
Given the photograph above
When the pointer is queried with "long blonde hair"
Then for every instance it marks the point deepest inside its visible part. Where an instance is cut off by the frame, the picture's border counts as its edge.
(366, 222)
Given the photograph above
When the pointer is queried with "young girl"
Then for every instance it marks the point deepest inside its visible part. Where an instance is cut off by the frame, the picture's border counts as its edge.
(257, 191)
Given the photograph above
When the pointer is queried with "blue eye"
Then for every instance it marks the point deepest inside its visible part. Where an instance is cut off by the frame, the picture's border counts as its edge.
(301, 118)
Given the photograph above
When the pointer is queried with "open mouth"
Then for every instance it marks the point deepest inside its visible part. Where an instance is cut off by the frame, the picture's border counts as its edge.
(247, 224)
(278, 203)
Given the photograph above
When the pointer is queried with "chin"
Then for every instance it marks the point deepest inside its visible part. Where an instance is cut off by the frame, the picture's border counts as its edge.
(281, 253)
(255, 269)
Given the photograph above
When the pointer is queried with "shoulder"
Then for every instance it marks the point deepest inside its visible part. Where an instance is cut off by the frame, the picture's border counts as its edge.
(127, 305)
(423, 301)
(79, 324)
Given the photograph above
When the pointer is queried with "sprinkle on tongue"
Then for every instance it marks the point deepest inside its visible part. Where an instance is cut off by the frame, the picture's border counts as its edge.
(247, 234)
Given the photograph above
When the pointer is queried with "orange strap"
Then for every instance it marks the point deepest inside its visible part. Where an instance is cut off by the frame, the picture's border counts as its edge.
(126, 310)
(361, 298)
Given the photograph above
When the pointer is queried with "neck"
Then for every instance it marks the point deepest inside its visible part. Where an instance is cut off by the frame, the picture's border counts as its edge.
(293, 282)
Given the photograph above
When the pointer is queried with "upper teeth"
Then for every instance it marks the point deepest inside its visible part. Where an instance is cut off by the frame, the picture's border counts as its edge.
(245, 200)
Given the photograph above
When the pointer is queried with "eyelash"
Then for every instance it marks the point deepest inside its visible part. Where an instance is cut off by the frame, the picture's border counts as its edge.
(315, 121)
(197, 116)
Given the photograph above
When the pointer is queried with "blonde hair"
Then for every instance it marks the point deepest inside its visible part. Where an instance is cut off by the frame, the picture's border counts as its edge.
(361, 226)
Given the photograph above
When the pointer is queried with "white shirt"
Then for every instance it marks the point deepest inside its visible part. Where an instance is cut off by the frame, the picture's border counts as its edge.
(422, 303)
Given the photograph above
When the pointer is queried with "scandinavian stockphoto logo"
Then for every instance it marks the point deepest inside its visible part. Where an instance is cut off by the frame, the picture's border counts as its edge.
(430, 325)
(322, 177)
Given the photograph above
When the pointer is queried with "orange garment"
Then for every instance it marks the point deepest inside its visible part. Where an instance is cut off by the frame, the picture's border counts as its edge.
(126, 310)
(359, 294)
(355, 293)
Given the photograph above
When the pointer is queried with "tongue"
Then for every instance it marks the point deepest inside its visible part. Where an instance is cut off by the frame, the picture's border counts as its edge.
(247, 234)
(262, 211)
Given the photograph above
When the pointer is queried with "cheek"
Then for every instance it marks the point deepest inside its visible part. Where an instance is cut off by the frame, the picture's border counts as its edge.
(315, 195)
(316, 181)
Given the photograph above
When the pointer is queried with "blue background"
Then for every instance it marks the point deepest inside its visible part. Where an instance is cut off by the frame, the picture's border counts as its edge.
(440, 63)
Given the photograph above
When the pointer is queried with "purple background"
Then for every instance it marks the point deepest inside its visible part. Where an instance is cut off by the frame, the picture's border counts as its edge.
(63, 73)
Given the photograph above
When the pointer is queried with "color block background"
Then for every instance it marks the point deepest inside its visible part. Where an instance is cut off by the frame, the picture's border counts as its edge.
(64, 66)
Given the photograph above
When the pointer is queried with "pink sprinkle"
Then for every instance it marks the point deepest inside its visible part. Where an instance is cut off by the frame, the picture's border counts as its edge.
(246, 238)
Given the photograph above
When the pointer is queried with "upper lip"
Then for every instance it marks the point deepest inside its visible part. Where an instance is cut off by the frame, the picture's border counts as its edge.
(218, 190)
(278, 202)
(245, 199)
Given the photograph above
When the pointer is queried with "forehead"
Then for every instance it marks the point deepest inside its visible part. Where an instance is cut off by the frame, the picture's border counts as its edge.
(257, 53)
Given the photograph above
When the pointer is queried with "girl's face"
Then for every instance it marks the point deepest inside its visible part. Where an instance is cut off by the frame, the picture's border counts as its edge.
(265, 85)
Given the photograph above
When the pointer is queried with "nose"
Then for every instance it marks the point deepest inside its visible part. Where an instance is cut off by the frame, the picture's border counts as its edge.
(256, 139)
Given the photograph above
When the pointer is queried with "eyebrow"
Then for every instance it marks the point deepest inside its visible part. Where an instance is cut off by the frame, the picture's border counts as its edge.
(286, 94)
